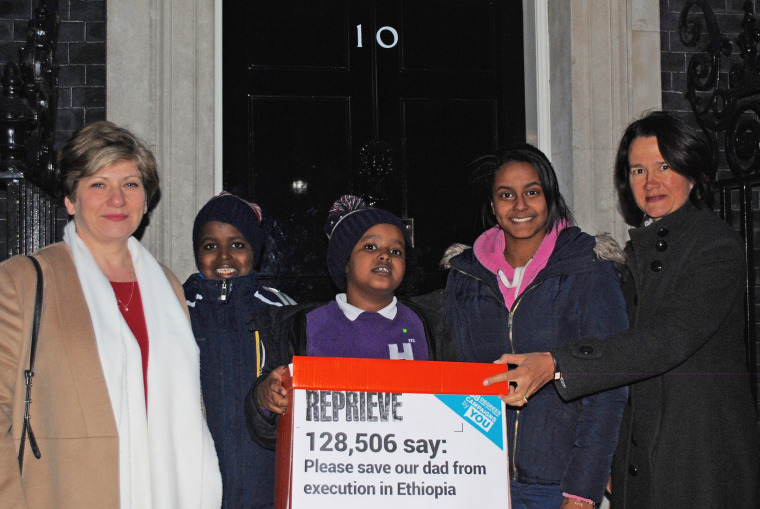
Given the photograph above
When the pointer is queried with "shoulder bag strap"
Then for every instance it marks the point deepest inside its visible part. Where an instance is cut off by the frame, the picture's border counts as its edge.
(26, 429)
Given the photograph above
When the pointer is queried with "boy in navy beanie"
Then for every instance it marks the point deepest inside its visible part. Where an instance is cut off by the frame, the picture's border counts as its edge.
(366, 260)
(228, 242)
(229, 209)
(347, 222)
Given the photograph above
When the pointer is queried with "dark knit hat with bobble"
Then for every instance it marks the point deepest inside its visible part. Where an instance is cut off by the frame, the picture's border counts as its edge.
(347, 222)
(231, 209)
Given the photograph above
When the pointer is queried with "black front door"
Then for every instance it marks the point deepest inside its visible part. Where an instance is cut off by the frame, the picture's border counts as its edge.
(388, 99)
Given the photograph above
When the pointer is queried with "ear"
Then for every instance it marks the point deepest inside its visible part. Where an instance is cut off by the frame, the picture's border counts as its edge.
(492, 209)
(145, 207)
(69, 205)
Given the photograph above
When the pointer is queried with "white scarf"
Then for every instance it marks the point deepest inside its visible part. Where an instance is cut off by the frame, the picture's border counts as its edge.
(168, 460)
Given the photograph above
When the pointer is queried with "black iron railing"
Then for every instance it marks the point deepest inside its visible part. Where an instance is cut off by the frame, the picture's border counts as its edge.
(726, 104)
(28, 109)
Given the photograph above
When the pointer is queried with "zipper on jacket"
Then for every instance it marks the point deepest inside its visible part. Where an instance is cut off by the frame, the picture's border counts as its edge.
(225, 291)
(517, 412)
(512, 346)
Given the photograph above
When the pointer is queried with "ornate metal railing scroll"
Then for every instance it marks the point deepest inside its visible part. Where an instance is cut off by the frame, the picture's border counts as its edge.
(28, 107)
(727, 107)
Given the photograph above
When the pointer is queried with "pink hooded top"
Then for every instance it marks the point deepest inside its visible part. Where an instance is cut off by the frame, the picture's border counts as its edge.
(489, 250)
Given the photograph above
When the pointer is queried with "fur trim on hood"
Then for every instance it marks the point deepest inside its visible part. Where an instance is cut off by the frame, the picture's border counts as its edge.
(606, 248)
(452, 251)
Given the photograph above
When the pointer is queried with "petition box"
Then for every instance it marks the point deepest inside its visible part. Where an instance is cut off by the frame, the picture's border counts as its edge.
(389, 433)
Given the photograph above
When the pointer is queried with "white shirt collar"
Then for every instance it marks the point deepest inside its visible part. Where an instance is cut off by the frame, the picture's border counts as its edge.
(352, 312)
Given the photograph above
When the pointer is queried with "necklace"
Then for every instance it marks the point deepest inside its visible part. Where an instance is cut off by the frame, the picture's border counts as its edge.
(131, 294)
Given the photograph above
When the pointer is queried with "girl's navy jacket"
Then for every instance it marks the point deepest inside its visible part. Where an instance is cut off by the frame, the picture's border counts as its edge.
(576, 295)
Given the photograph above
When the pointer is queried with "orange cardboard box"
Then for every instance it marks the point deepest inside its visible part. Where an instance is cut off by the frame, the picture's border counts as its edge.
(388, 433)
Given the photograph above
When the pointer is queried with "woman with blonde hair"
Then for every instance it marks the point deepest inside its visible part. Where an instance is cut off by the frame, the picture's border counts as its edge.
(116, 401)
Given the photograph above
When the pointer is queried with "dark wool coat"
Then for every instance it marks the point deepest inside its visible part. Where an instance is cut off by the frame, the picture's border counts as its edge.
(551, 441)
(229, 361)
(283, 334)
(689, 436)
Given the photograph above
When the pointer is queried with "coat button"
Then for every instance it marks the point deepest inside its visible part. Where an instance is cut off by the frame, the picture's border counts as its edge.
(656, 266)
(661, 245)
(633, 440)
(587, 350)
(662, 232)
(633, 470)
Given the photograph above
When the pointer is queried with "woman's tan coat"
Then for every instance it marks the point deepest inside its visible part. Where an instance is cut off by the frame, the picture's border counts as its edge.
(70, 411)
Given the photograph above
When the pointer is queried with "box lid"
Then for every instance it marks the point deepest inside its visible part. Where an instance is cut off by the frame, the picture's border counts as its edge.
(387, 375)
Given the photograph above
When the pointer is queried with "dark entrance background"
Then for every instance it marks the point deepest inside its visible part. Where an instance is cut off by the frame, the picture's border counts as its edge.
(388, 99)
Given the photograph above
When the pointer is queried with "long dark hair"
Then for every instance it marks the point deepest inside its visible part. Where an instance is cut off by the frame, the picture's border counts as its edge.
(484, 171)
(685, 149)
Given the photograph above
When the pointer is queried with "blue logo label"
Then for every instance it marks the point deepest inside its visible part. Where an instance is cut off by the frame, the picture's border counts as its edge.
(482, 412)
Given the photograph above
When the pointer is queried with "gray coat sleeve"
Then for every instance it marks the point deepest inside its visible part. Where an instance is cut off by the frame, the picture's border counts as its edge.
(690, 309)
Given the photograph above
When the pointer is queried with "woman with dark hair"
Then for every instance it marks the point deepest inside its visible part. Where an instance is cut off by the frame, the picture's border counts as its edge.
(689, 434)
(116, 399)
(679, 144)
(534, 281)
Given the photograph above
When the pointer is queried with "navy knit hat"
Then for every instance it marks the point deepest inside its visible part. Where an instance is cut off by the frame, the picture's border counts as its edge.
(230, 209)
(347, 222)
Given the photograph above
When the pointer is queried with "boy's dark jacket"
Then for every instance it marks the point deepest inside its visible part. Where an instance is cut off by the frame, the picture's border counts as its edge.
(228, 368)
(283, 334)
(576, 295)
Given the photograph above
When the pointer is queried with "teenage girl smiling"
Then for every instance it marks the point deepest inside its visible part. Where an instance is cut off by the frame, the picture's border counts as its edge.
(530, 281)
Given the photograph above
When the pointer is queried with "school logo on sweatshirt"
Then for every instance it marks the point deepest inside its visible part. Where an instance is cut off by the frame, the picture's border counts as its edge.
(407, 354)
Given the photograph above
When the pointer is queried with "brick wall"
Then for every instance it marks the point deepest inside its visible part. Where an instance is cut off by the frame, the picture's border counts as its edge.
(82, 58)
(675, 56)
